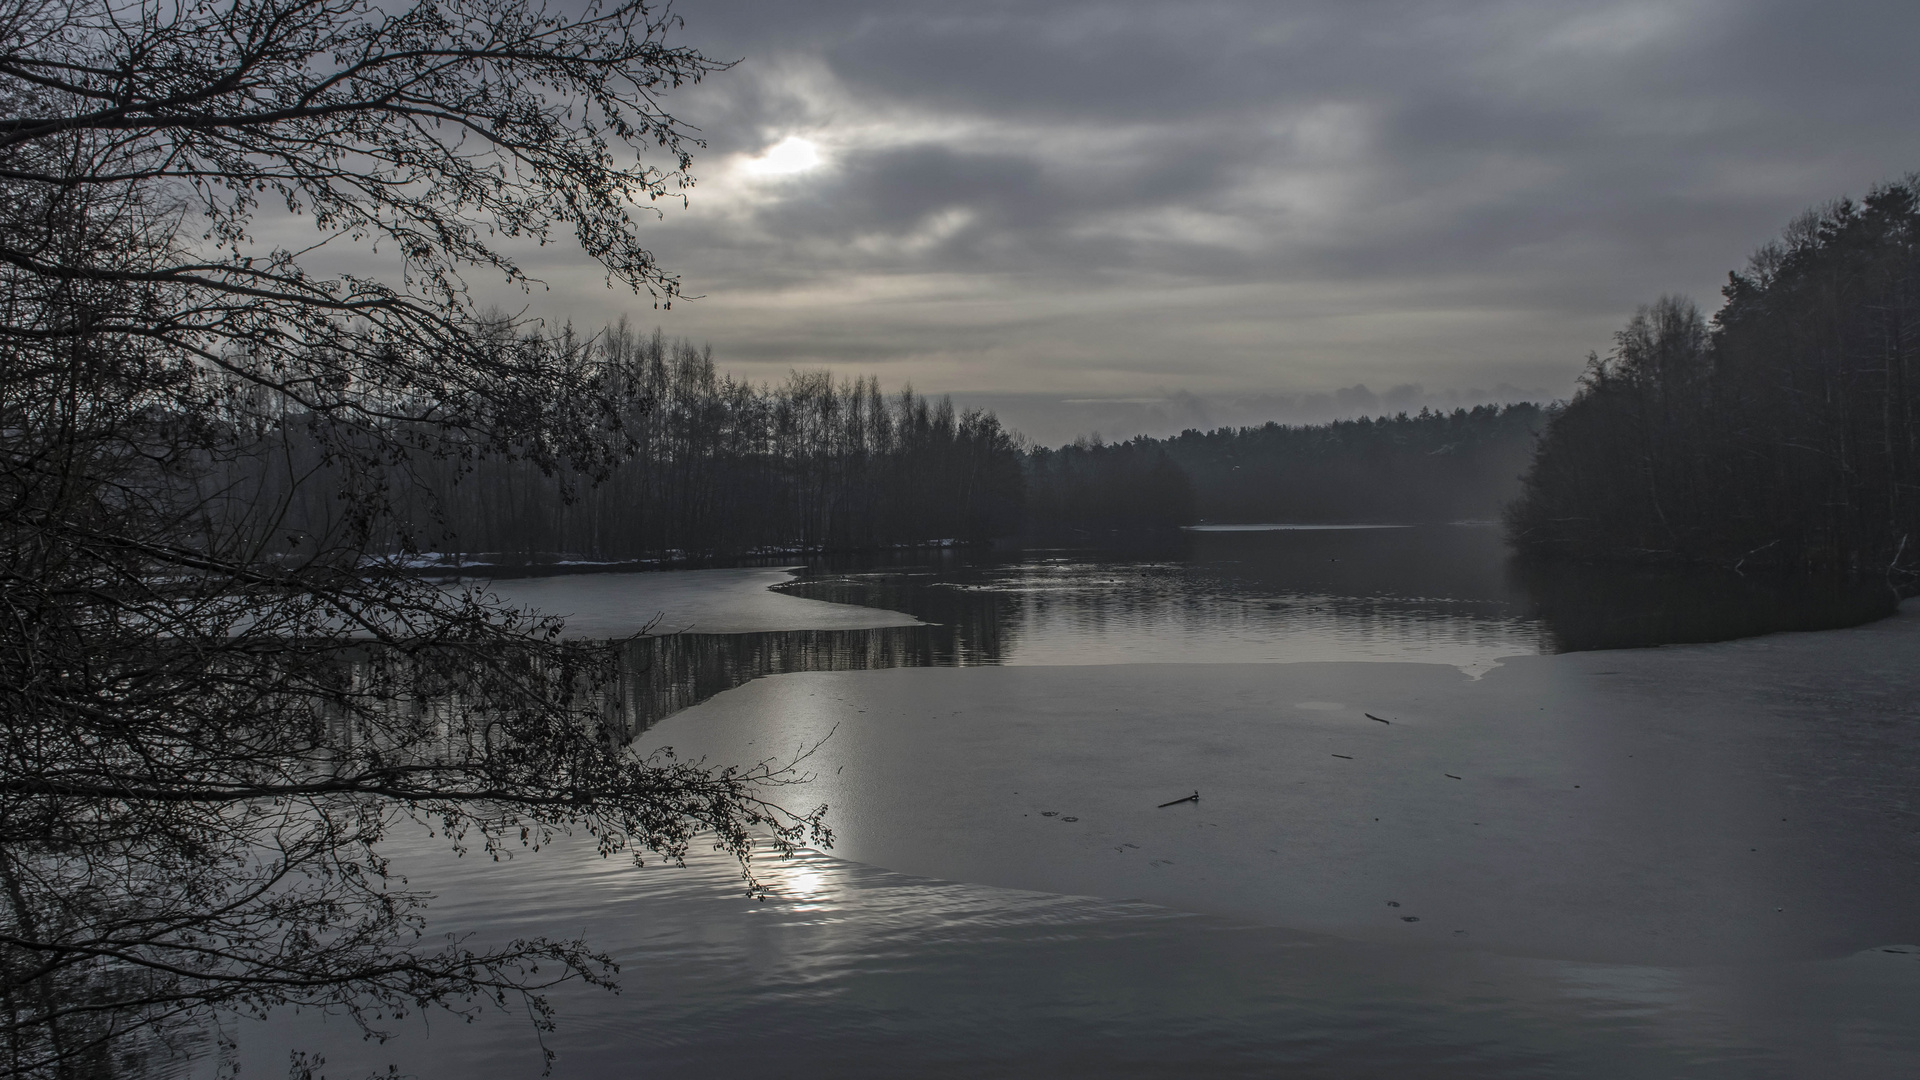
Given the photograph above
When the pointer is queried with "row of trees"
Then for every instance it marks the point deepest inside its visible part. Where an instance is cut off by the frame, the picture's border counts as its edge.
(675, 459)
(1784, 434)
(720, 466)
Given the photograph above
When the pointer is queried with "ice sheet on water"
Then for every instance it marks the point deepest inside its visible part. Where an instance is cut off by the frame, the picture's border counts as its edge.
(727, 601)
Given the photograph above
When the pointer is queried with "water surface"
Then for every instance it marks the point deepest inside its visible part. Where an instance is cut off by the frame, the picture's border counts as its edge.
(1423, 594)
(1430, 842)
(859, 972)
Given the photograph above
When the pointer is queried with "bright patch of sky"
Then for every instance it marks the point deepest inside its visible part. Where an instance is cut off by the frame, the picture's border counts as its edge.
(790, 155)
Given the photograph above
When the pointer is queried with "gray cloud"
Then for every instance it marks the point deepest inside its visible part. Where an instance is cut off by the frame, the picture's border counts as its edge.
(1260, 201)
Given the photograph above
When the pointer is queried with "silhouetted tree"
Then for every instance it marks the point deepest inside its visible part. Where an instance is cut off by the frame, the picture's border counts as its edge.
(207, 718)
(1606, 476)
(1786, 437)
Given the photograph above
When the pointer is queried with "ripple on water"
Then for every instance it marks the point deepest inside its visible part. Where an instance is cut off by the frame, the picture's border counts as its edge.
(848, 970)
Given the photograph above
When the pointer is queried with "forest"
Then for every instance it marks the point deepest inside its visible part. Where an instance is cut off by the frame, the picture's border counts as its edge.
(1433, 466)
(1783, 434)
(703, 466)
(713, 466)
(677, 461)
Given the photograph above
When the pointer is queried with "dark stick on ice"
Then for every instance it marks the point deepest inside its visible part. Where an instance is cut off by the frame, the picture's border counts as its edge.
(1370, 716)
(1195, 797)
(1349, 757)
(1449, 776)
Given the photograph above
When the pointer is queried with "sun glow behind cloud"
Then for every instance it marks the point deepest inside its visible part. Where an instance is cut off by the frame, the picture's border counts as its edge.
(787, 157)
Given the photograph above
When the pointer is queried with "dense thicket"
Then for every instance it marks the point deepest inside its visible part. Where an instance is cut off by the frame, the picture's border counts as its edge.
(1435, 466)
(720, 466)
(1787, 434)
(1089, 488)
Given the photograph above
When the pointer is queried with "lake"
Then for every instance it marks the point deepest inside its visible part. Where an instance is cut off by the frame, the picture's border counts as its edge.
(1456, 818)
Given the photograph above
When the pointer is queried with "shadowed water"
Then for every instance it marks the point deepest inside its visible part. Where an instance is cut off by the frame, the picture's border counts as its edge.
(855, 971)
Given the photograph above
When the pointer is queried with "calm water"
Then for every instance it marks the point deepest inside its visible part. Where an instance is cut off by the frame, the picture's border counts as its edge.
(1444, 594)
(1036, 766)
(1425, 594)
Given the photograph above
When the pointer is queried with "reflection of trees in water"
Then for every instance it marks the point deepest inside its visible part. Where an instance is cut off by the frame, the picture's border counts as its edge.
(1436, 562)
(972, 625)
(1415, 621)
(991, 609)
(980, 612)
(660, 676)
(1433, 585)
(1100, 596)
(1612, 607)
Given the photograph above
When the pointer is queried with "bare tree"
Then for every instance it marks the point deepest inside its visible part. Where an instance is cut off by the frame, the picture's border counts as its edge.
(209, 717)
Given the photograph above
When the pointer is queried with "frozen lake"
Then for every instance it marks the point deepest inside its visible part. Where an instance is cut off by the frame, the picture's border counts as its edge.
(1430, 841)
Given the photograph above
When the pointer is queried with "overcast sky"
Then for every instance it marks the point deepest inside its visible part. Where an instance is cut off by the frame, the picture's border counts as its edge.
(1149, 215)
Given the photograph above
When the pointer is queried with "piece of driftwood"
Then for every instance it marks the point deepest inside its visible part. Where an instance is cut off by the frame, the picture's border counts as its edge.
(1195, 797)
(1349, 757)
(1370, 716)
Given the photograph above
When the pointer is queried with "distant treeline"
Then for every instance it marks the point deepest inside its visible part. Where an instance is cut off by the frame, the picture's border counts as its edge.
(1433, 466)
(1786, 434)
(1093, 487)
(684, 462)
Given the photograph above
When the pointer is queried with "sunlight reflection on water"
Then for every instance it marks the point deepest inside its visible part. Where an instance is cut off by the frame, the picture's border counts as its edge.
(853, 971)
